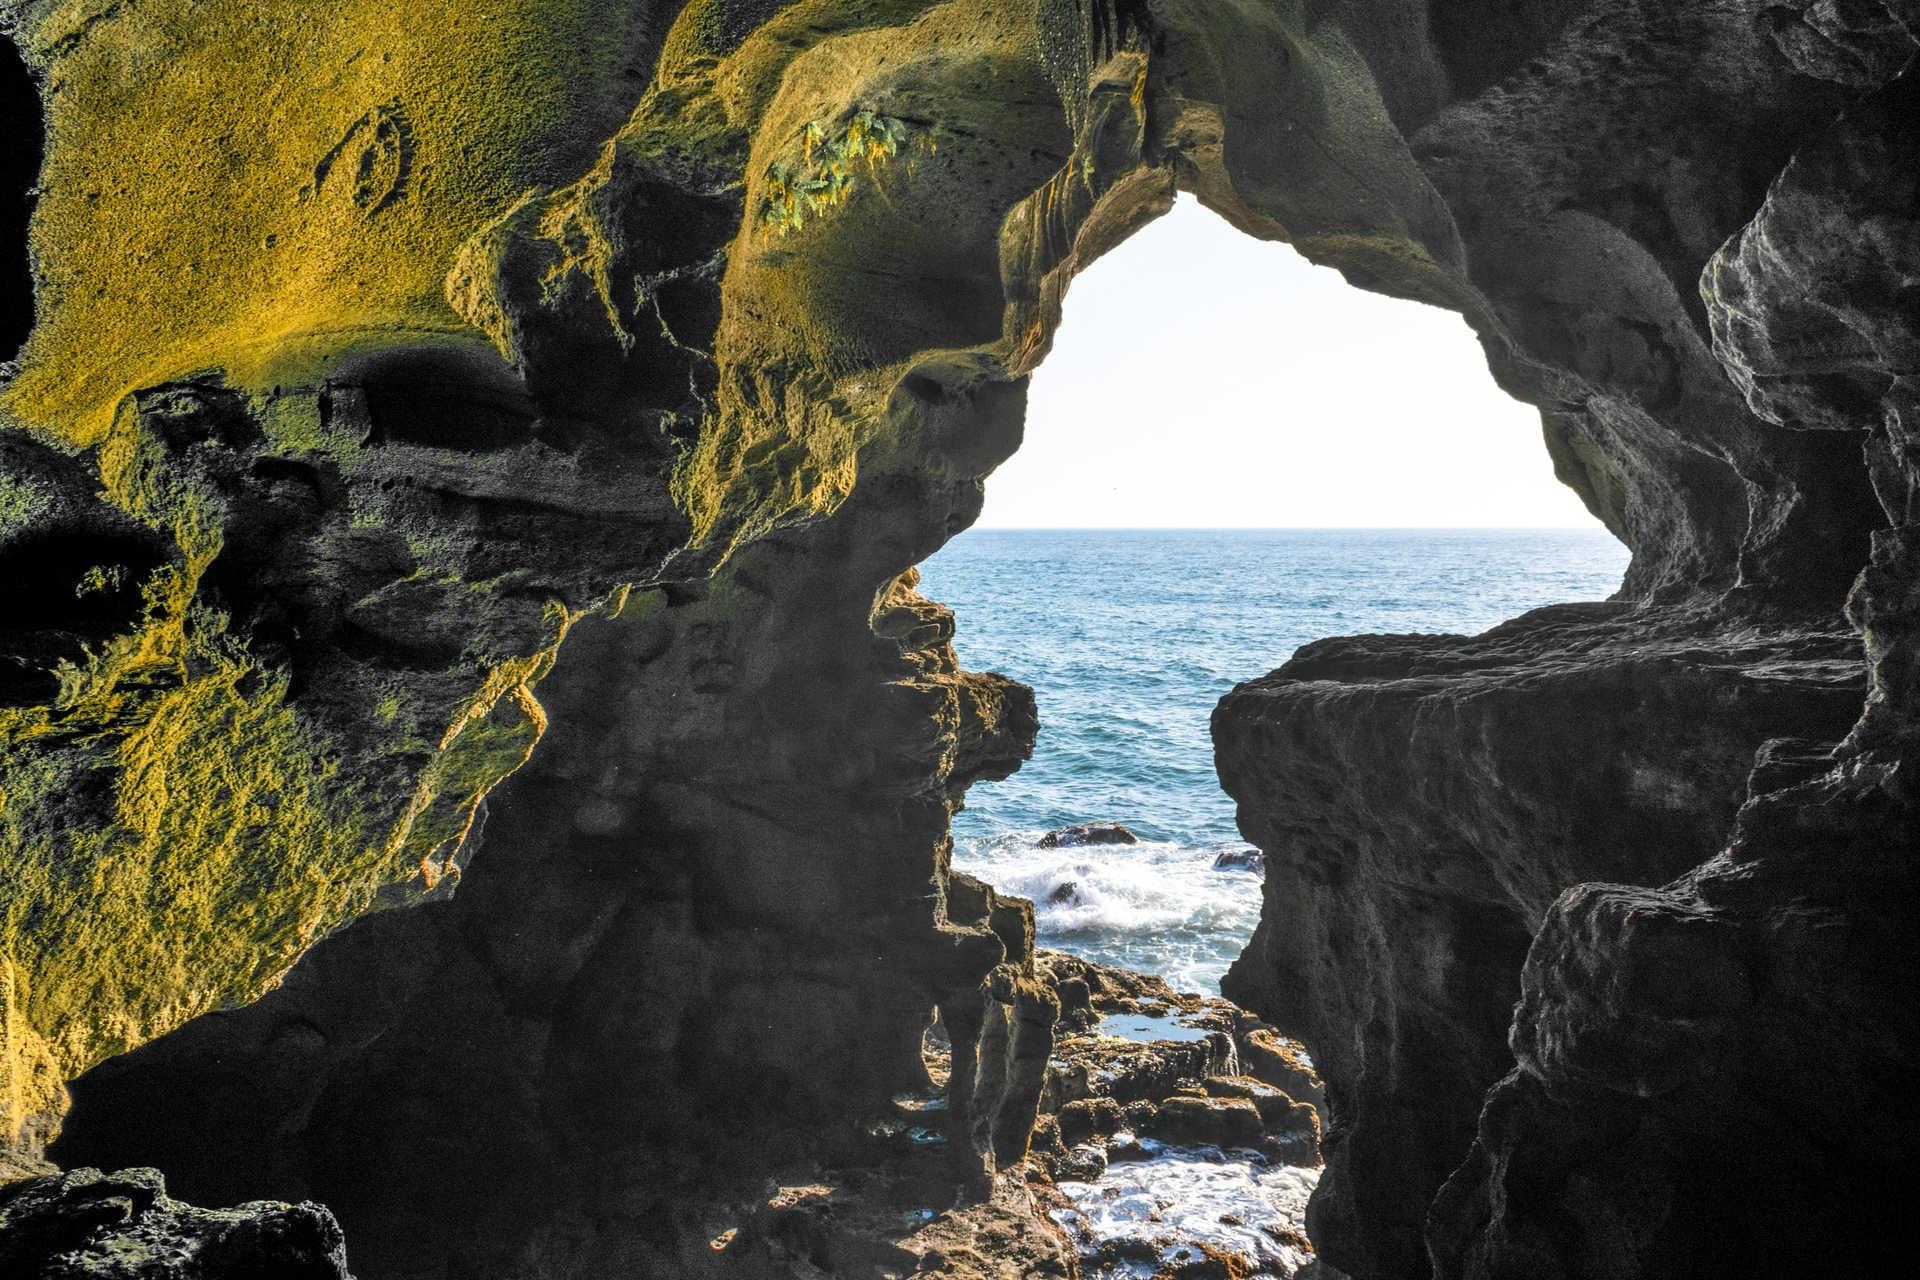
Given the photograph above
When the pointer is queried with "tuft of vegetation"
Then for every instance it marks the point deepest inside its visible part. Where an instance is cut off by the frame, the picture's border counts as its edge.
(824, 178)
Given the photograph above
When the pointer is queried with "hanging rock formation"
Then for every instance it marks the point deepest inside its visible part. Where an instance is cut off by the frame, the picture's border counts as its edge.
(472, 755)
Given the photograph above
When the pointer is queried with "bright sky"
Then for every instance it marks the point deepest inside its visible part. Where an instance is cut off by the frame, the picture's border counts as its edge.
(1207, 379)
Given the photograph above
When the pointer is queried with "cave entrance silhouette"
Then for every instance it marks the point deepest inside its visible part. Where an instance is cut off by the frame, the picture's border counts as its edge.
(1274, 457)
(1229, 453)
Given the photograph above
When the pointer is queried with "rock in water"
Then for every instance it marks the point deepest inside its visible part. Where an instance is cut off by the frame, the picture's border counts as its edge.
(1088, 833)
(86, 1225)
(1241, 860)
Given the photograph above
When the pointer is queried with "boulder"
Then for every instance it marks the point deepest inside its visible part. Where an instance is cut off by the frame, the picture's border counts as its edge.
(1088, 833)
(1220, 1122)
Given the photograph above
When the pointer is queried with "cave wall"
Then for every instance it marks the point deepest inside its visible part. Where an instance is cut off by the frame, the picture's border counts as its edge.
(1430, 806)
(1650, 1018)
(470, 463)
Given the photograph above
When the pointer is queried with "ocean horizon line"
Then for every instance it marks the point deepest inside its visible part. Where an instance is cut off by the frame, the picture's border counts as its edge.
(1285, 528)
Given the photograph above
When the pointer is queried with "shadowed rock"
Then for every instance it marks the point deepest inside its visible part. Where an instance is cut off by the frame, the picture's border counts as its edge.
(86, 1225)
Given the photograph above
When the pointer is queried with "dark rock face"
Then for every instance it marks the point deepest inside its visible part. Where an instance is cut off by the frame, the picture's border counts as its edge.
(86, 1225)
(516, 994)
(1405, 892)
(1424, 799)
(1652, 1020)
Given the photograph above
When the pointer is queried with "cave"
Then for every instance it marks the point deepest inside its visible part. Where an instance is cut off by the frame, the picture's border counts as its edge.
(1104, 574)
(499, 821)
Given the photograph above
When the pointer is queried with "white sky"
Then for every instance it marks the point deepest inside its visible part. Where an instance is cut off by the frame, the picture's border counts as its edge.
(1206, 379)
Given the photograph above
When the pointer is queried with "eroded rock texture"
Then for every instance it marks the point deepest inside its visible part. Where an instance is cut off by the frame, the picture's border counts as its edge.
(471, 461)
(1636, 1132)
(86, 1225)
(1423, 800)
(1427, 802)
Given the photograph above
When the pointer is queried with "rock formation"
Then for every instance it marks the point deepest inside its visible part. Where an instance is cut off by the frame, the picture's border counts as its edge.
(88, 1226)
(1425, 799)
(471, 752)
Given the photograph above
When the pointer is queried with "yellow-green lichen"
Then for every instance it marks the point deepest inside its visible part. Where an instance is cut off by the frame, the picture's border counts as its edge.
(271, 187)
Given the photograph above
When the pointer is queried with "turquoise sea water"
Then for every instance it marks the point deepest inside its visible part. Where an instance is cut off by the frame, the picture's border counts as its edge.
(1130, 637)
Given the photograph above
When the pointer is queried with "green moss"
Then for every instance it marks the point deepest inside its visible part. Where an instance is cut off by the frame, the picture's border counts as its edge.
(270, 187)
(220, 844)
(173, 834)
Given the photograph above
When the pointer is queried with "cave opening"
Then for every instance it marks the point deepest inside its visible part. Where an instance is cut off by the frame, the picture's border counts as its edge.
(1230, 453)
(1284, 458)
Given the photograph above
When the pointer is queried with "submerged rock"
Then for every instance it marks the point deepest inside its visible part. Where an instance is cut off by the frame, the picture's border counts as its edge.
(1088, 833)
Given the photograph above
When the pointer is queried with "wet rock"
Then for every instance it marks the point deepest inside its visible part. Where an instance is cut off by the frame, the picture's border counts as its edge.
(1088, 833)
(1084, 1163)
(1104, 1089)
(1281, 1115)
(86, 1225)
(1086, 1117)
(1241, 860)
(1219, 1122)
(1280, 1062)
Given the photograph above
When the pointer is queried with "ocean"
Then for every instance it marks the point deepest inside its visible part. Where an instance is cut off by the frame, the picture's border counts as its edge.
(1129, 638)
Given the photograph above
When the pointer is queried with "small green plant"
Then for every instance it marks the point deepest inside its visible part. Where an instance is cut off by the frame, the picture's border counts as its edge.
(824, 179)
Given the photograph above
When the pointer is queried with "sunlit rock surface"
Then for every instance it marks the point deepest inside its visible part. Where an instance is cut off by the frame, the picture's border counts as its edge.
(471, 460)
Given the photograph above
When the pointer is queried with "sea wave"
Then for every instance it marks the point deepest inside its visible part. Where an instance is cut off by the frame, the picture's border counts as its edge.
(1158, 906)
(1129, 638)
(1188, 1195)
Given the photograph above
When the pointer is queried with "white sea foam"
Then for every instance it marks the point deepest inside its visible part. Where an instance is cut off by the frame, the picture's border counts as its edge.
(1193, 1195)
(1160, 907)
